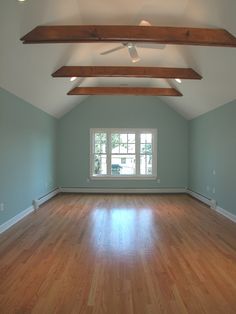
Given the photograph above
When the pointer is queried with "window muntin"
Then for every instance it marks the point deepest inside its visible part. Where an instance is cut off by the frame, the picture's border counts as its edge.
(123, 153)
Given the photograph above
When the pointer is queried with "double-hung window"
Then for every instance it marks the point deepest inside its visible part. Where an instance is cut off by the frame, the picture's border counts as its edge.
(123, 153)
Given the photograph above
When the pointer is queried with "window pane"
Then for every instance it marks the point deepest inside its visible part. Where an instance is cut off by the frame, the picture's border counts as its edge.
(103, 138)
(97, 137)
(100, 138)
(100, 143)
(103, 148)
(142, 138)
(131, 148)
(143, 164)
(115, 148)
(123, 164)
(146, 148)
(100, 148)
(131, 138)
(142, 149)
(123, 148)
(123, 138)
(97, 148)
(123, 160)
(115, 140)
(146, 164)
(146, 138)
(100, 164)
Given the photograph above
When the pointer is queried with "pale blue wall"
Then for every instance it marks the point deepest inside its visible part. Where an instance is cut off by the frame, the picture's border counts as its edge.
(127, 112)
(27, 154)
(212, 146)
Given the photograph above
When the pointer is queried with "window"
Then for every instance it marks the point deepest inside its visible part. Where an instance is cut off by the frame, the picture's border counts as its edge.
(123, 153)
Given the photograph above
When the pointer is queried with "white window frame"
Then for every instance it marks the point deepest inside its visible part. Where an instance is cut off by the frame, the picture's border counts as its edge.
(137, 132)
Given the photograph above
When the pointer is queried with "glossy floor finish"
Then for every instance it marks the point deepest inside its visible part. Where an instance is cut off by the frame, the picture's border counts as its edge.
(118, 254)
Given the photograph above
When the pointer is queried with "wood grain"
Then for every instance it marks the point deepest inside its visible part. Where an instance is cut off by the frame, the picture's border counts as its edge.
(115, 254)
(127, 71)
(127, 33)
(145, 91)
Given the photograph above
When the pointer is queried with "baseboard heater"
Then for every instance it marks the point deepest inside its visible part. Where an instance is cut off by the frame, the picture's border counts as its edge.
(37, 202)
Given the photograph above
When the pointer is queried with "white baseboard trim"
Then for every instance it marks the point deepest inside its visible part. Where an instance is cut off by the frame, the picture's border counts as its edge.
(8, 224)
(11, 222)
(123, 191)
(200, 197)
(225, 213)
(210, 203)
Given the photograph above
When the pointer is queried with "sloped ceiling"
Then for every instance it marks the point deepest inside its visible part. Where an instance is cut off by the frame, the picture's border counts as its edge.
(25, 70)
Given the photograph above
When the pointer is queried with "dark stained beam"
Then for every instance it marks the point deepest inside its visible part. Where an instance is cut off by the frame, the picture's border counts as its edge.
(145, 91)
(125, 33)
(123, 71)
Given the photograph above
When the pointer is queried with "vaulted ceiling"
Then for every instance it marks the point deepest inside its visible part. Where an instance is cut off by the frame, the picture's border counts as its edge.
(25, 70)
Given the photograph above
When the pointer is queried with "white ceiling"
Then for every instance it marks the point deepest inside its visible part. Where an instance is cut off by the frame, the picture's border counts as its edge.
(25, 70)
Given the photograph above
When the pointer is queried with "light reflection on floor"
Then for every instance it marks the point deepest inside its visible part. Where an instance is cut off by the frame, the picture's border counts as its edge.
(122, 230)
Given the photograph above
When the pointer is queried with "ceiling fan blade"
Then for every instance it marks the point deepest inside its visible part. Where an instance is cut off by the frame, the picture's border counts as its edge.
(133, 53)
(112, 50)
(150, 46)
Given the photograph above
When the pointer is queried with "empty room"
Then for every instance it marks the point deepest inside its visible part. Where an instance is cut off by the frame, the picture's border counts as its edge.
(117, 157)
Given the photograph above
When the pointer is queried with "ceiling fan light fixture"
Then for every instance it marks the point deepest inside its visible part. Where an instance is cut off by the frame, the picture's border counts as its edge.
(133, 53)
(178, 80)
(130, 45)
(72, 79)
(134, 60)
(144, 23)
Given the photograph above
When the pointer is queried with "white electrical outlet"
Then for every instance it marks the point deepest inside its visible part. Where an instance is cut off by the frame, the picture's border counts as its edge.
(214, 172)
(214, 190)
(35, 204)
(208, 188)
(213, 204)
(2, 207)
(158, 181)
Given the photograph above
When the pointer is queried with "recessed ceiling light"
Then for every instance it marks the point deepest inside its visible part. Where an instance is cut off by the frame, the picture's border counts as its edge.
(21, 0)
(73, 78)
(178, 80)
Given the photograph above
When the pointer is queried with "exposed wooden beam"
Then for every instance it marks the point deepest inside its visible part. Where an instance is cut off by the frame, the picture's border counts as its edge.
(125, 33)
(122, 71)
(145, 91)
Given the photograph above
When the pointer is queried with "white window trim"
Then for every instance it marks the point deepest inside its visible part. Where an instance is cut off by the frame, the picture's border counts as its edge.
(137, 144)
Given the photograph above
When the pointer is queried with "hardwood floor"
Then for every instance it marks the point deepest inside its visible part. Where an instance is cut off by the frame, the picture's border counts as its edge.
(118, 254)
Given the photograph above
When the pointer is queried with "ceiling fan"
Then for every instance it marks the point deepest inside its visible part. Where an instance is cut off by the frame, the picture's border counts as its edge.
(132, 46)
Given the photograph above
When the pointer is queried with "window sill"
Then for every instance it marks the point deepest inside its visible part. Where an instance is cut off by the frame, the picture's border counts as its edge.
(126, 178)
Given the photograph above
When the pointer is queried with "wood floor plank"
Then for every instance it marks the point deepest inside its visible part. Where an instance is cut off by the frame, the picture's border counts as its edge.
(113, 254)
